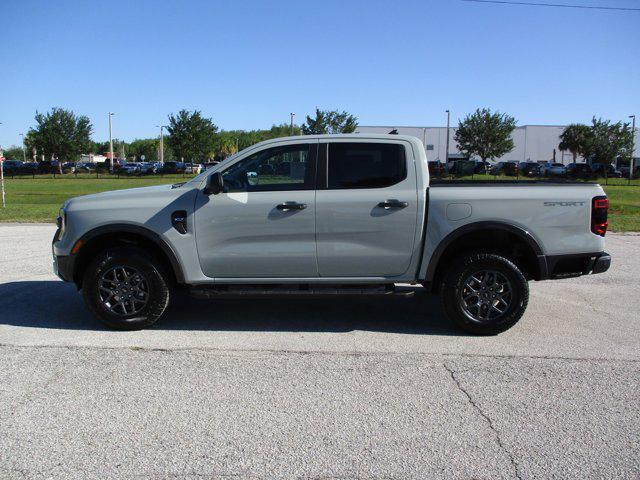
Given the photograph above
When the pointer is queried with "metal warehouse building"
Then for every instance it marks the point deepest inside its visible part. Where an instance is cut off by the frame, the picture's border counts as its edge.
(535, 143)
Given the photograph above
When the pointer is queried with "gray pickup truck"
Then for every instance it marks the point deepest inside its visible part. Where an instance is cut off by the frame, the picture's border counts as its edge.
(329, 215)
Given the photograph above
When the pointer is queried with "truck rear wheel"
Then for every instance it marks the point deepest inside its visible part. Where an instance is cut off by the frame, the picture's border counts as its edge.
(484, 293)
(125, 288)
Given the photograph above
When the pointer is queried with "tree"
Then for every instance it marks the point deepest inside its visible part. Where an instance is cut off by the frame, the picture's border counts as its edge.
(14, 153)
(191, 136)
(485, 134)
(145, 146)
(330, 121)
(575, 139)
(225, 143)
(283, 130)
(60, 133)
(608, 141)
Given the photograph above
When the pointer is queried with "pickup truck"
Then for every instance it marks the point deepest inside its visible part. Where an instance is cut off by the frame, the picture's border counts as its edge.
(329, 215)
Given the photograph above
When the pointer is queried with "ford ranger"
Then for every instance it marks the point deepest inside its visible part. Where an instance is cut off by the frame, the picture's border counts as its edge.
(329, 215)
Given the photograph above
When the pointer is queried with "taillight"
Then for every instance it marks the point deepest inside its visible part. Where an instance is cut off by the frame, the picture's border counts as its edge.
(599, 208)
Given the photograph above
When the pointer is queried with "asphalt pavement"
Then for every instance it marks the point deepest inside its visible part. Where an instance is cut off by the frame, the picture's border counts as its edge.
(318, 388)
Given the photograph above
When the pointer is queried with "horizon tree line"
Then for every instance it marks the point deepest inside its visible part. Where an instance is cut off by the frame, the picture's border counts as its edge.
(484, 134)
(63, 135)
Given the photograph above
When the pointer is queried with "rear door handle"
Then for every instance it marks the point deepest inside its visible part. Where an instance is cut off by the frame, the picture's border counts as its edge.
(288, 206)
(387, 204)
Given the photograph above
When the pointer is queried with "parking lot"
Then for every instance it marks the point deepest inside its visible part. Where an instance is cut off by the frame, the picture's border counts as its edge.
(317, 388)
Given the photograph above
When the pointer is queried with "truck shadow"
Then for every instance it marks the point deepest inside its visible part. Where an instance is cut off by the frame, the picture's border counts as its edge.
(56, 305)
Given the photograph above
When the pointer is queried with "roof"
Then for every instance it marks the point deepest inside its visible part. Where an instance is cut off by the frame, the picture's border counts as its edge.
(391, 127)
(342, 136)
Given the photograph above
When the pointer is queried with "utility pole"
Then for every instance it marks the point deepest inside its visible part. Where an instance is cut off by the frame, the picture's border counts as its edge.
(291, 127)
(161, 143)
(110, 144)
(633, 142)
(24, 153)
(446, 154)
(4, 205)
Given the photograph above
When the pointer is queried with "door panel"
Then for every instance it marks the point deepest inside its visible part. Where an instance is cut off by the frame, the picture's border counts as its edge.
(244, 234)
(263, 225)
(365, 232)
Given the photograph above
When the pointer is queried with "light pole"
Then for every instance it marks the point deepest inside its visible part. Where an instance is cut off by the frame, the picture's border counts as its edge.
(446, 151)
(24, 153)
(4, 205)
(110, 144)
(291, 127)
(633, 141)
(161, 143)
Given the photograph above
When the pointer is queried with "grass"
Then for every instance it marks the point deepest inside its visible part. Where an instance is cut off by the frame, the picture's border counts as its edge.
(38, 200)
(624, 208)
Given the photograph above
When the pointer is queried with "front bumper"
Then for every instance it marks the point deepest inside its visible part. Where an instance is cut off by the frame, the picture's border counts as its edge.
(574, 265)
(63, 267)
(62, 264)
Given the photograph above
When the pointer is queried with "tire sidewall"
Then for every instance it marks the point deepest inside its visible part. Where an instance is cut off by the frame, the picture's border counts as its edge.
(158, 288)
(454, 283)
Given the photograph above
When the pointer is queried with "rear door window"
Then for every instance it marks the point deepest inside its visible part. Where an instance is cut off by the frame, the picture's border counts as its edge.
(365, 165)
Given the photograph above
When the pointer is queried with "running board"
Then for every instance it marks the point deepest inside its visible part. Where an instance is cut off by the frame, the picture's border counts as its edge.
(245, 291)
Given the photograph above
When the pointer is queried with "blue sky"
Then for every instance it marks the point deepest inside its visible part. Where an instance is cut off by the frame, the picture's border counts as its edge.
(248, 64)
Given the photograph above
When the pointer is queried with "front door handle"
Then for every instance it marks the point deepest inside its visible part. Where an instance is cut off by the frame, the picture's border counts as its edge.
(288, 206)
(387, 204)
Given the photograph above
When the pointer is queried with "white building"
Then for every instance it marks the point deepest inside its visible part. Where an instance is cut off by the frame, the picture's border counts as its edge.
(534, 143)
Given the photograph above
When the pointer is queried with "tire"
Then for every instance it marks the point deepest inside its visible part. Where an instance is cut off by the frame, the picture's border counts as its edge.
(480, 312)
(141, 284)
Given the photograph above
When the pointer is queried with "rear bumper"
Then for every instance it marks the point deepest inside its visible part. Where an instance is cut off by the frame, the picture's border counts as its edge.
(574, 265)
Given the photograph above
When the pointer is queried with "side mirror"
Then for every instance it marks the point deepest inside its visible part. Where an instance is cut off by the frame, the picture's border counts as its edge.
(215, 184)
(252, 178)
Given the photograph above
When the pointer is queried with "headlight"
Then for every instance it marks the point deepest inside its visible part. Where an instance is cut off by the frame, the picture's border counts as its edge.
(61, 221)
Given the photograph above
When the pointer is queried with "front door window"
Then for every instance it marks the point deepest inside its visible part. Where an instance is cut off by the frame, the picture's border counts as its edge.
(272, 170)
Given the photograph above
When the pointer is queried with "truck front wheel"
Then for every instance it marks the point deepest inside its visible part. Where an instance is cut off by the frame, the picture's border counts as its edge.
(125, 288)
(484, 293)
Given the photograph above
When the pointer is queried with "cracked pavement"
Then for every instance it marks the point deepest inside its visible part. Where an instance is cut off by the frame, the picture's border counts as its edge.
(340, 388)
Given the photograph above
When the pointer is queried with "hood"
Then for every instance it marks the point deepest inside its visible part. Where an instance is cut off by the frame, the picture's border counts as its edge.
(127, 193)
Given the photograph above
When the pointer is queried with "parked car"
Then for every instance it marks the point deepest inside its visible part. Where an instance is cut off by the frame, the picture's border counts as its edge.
(12, 167)
(129, 169)
(53, 166)
(579, 170)
(210, 164)
(553, 169)
(605, 170)
(357, 228)
(29, 168)
(172, 167)
(504, 168)
(147, 168)
(84, 167)
(462, 168)
(436, 168)
(529, 169)
(193, 168)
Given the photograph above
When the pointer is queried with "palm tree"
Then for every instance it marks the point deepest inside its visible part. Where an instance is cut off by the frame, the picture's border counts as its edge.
(575, 139)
